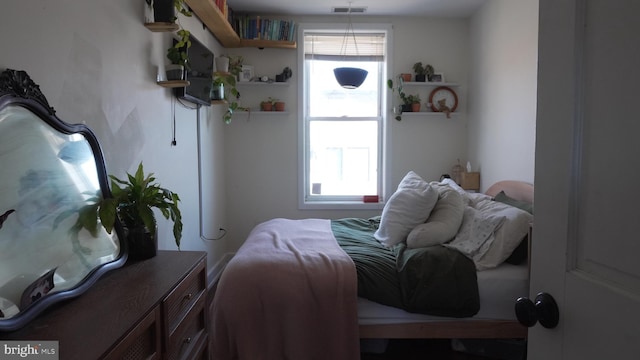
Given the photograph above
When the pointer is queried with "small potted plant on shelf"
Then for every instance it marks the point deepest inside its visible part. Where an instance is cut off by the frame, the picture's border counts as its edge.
(229, 93)
(413, 101)
(279, 105)
(178, 56)
(133, 204)
(422, 72)
(165, 11)
(268, 105)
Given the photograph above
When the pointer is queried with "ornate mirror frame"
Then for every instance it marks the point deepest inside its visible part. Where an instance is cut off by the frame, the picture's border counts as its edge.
(50, 171)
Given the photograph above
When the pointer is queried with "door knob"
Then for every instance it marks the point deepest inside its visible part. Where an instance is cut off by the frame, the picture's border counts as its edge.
(544, 309)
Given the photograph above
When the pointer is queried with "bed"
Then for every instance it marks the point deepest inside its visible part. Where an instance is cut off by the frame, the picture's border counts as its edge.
(299, 287)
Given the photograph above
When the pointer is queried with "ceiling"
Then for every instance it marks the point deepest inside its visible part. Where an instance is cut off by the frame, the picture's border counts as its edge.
(431, 8)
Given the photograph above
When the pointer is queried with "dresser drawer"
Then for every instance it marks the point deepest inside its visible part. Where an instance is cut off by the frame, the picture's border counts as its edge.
(142, 343)
(183, 298)
(190, 336)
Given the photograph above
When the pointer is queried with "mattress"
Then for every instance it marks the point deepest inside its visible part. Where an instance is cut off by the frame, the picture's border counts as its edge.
(499, 288)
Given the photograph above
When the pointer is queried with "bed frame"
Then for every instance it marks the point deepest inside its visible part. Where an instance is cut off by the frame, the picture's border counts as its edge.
(460, 329)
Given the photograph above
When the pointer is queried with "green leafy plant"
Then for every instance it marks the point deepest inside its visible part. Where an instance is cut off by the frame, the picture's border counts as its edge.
(412, 99)
(133, 203)
(231, 93)
(422, 70)
(235, 64)
(401, 95)
(177, 53)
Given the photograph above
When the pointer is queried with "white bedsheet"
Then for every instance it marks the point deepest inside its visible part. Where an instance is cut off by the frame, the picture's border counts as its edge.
(499, 288)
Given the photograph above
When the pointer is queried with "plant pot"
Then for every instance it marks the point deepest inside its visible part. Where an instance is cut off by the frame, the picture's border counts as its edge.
(174, 72)
(149, 17)
(421, 78)
(266, 106)
(415, 107)
(406, 108)
(163, 11)
(217, 92)
(142, 245)
(279, 106)
(222, 64)
(406, 77)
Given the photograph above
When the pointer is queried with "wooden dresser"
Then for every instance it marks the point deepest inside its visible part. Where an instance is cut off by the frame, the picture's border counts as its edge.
(153, 309)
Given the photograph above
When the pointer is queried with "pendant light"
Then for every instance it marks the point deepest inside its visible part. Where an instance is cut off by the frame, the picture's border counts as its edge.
(349, 77)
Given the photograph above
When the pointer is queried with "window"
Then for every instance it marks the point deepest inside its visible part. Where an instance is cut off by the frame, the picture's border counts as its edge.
(342, 130)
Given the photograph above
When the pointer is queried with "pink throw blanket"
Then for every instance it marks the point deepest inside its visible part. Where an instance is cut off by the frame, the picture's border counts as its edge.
(290, 292)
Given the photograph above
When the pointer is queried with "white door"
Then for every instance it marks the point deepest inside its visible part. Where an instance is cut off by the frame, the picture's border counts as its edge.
(586, 242)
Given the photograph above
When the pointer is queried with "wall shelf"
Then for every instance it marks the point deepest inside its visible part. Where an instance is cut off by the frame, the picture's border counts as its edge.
(429, 114)
(216, 22)
(427, 83)
(161, 26)
(174, 83)
(265, 113)
(260, 83)
(219, 102)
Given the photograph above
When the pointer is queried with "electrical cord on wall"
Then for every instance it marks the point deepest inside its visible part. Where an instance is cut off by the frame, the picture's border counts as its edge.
(220, 230)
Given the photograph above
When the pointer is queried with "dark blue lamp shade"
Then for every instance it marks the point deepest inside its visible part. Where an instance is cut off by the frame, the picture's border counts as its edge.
(350, 78)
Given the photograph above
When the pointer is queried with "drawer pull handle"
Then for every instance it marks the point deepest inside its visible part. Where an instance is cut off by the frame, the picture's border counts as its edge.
(187, 340)
(188, 296)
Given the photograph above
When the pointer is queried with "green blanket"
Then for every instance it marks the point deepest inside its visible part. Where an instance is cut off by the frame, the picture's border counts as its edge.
(434, 280)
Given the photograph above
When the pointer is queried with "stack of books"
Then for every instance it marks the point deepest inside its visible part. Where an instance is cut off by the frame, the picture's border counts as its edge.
(257, 28)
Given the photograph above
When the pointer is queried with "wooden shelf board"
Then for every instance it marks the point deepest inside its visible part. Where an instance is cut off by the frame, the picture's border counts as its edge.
(161, 26)
(268, 44)
(219, 102)
(215, 21)
(173, 83)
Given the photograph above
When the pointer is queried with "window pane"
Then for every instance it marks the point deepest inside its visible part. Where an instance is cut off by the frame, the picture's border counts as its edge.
(328, 99)
(343, 158)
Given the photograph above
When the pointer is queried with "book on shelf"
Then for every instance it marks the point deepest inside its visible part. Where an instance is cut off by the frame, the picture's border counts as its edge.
(258, 28)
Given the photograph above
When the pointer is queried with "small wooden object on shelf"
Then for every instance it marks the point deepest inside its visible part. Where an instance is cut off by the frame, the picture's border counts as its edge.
(162, 26)
(173, 83)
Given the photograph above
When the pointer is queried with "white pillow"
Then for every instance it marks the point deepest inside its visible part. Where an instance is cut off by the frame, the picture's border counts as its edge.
(507, 236)
(443, 222)
(476, 229)
(408, 207)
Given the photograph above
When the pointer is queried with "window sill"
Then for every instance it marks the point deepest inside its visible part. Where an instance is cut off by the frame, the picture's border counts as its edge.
(340, 205)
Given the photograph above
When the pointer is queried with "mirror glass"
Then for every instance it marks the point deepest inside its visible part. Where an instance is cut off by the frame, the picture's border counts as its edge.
(50, 170)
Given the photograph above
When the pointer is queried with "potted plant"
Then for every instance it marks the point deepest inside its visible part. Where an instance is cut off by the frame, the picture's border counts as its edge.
(414, 102)
(230, 93)
(268, 105)
(406, 76)
(133, 204)
(167, 10)
(422, 72)
(178, 56)
(217, 88)
(279, 105)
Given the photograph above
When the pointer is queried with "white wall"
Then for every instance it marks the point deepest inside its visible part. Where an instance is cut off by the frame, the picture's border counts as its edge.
(503, 85)
(262, 152)
(99, 68)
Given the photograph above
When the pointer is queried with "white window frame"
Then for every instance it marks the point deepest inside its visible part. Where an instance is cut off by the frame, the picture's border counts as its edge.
(303, 103)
